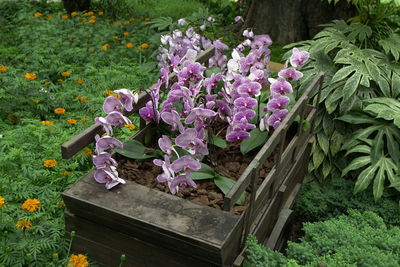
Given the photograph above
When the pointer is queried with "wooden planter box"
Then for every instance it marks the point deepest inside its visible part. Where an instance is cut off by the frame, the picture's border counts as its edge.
(153, 228)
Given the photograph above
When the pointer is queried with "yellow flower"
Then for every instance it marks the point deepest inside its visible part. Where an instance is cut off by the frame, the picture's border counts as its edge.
(71, 121)
(65, 173)
(22, 224)
(146, 19)
(80, 81)
(50, 163)
(64, 17)
(30, 76)
(49, 17)
(130, 126)
(88, 151)
(145, 45)
(61, 204)
(115, 37)
(92, 21)
(59, 111)
(117, 23)
(105, 47)
(84, 19)
(126, 22)
(93, 17)
(47, 123)
(101, 13)
(47, 83)
(90, 13)
(36, 101)
(31, 205)
(78, 261)
(3, 68)
(2, 202)
(131, 19)
(129, 45)
(38, 15)
(65, 74)
(122, 42)
(74, 14)
(84, 99)
(60, 80)
(125, 33)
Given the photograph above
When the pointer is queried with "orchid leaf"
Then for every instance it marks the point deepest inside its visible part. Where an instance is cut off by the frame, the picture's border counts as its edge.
(135, 150)
(206, 172)
(225, 184)
(257, 139)
(218, 141)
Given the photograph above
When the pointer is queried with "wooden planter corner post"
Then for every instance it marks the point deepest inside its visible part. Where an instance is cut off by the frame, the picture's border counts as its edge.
(153, 228)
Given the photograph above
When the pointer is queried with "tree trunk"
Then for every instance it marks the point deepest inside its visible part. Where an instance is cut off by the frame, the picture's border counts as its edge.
(76, 5)
(293, 20)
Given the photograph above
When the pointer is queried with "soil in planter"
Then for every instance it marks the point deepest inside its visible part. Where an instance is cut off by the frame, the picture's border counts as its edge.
(229, 162)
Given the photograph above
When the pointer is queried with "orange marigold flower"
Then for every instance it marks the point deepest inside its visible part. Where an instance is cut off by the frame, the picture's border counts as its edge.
(50, 163)
(145, 45)
(146, 19)
(71, 121)
(47, 83)
(115, 37)
(122, 42)
(80, 81)
(65, 173)
(84, 19)
(49, 17)
(60, 80)
(129, 45)
(88, 151)
(65, 74)
(36, 101)
(38, 15)
(117, 23)
(93, 17)
(30, 76)
(130, 126)
(59, 111)
(105, 47)
(126, 22)
(131, 19)
(108, 92)
(74, 14)
(47, 123)
(101, 13)
(92, 21)
(125, 33)
(78, 261)
(3, 68)
(84, 99)
(90, 13)
(22, 224)
(61, 204)
(2, 202)
(31, 205)
(64, 17)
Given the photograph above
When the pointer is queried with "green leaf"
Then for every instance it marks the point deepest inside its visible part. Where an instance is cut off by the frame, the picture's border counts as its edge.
(225, 184)
(359, 149)
(379, 181)
(337, 140)
(351, 85)
(317, 156)
(392, 146)
(135, 150)
(257, 139)
(391, 44)
(342, 73)
(218, 141)
(212, 70)
(206, 172)
(357, 118)
(356, 164)
(323, 142)
(306, 126)
(377, 147)
(364, 179)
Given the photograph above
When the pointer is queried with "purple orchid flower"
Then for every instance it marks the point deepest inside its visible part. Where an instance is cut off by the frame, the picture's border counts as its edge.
(247, 114)
(199, 114)
(280, 86)
(168, 173)
(223, 109)
(181, 181)
(298, 57)
(112, 104)
(115, 118)
(239, 18)
(185, 163)
(107, 142)
(277, 117)
(147, 112)
(165, 144)
(245, 102)
(172, 118)
(189, 140)
(104, 159)
(212, 82)
(237, 136)
(290, 74)
(181, 22)
(128, 98)
(278, 102)
(250, 88)
(109, 176)
(106, 126)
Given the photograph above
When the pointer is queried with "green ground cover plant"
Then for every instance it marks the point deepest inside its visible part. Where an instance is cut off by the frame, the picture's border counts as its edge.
(357, 239)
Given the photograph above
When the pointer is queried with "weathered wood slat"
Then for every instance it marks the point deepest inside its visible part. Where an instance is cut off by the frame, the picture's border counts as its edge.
(284, 218)
(78, 142)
